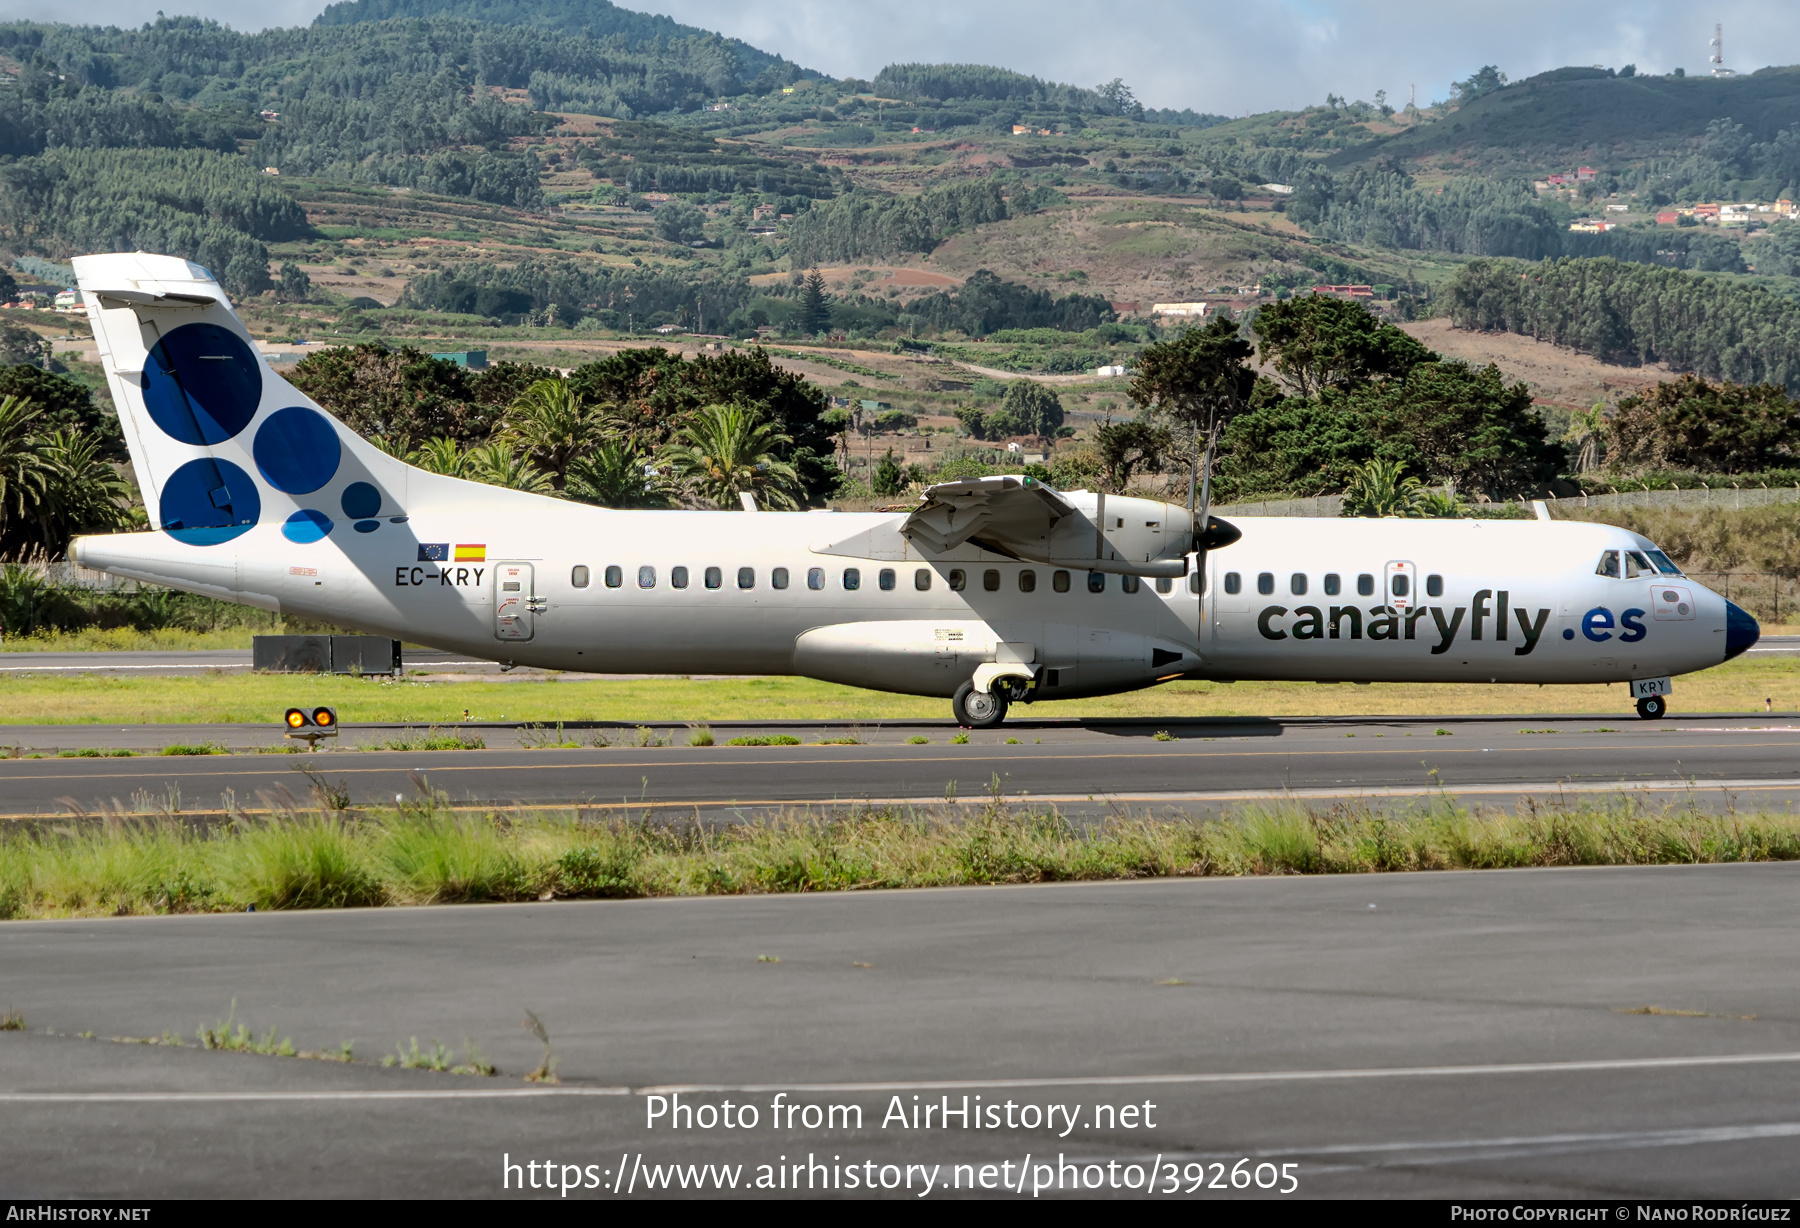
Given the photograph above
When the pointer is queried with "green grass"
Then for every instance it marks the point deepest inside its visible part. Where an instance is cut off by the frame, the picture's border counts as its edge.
(1738, 686)
(766, 739)
(438, 739)
(424, 852)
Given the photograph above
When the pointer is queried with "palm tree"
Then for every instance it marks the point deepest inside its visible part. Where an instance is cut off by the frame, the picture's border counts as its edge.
(728, 450)
(25, 475)
(1380, 488)
(83, 493)
(614, 475)
(441, 455)
(1445, 504)
(1586, 428)
(551, 425)
(499, 464)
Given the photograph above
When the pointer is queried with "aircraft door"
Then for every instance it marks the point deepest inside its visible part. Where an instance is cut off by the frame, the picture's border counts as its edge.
(1401, 587)
(515, 608)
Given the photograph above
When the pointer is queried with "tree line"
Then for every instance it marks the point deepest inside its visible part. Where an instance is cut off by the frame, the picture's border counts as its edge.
(862, 226)
(1347, 391)
(1635, 313)
(210, 207)
(593, 435)
(569, 290)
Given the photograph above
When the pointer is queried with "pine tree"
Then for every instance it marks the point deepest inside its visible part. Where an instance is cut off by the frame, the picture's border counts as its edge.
(815, 304)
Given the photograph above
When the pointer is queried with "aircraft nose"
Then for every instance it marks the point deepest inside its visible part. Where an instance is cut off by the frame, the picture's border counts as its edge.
(1741, 631)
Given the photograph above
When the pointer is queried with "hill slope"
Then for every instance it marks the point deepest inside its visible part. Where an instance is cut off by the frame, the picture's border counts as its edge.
(577, 18)
(1575, 114)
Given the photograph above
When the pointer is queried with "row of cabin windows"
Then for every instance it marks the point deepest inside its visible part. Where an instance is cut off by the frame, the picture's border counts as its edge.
(886, 579)
(1333, 584)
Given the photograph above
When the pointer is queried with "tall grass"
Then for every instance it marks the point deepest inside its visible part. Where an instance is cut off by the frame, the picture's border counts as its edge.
(424, 852)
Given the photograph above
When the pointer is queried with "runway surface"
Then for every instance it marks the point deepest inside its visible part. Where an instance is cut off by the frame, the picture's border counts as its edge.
(428, 660)
(1091, 768)
(1612, 1033)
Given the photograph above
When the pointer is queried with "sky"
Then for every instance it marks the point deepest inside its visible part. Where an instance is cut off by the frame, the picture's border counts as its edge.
(1220, 56)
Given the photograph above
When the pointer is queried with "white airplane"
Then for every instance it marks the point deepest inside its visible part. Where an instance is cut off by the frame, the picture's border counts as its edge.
(993, 591)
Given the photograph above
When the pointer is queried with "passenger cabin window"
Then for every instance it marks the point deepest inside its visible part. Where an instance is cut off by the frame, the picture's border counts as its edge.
(1663, 562)
(852, 579)
(886, 579)
(746, 577)
(990, 580)
(1234, 583)
(1402, 585)
(614, 577)
(1297, 584)
(1096, 582)
(1609, 564)
(1434, 586)
(1164, 584)
(778, 578)
(1196, 582)
(714, 577)
(1636, 565)
(959, 579)
(1333, 585)
(815, 578)
(1028, 581)
(1130, 584)
(646, 577)
(1365, 585)
(678, 577)
(922, 579)
(1060, 581)
(1265, 583)
(579, 577)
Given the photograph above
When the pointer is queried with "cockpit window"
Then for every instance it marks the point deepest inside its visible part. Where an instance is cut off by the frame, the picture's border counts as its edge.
(1663, 563)
(1609, 564)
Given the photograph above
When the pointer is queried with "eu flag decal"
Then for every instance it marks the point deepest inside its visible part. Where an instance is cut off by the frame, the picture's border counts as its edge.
(434, 552)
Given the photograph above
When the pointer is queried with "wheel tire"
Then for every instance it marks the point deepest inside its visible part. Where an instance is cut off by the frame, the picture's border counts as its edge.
(975, 710)
(1653, 707)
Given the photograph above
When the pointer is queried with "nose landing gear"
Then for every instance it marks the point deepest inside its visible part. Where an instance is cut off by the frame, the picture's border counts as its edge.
(978, 709)
(1653, 707)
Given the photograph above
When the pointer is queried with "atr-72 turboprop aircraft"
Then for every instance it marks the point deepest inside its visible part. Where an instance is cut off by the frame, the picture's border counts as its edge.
(992, 591)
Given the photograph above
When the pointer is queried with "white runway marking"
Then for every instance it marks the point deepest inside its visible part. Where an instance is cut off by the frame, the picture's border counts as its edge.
(1167, 1080)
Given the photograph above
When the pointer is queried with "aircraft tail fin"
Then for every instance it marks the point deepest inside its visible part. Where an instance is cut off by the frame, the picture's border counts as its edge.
(219, 441)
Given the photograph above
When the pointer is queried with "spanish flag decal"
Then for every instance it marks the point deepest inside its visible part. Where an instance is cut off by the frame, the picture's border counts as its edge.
(471, 554)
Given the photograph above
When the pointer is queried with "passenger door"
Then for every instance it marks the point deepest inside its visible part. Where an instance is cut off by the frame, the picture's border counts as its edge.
(1402, 585)
(515, 608)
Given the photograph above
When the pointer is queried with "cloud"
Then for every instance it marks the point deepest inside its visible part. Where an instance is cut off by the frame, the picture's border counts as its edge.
(1212, 55)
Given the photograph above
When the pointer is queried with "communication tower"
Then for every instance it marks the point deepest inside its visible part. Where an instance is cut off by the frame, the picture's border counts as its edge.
(1718, 52)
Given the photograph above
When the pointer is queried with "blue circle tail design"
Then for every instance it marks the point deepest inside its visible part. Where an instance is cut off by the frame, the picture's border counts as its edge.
(202, 384)
(297, 450)
(208, 501)
(306, 526)
(367, 526)
(361, 501)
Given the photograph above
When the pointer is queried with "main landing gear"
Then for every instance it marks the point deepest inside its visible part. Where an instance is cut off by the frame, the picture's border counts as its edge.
(978, 709)
(1653, 707)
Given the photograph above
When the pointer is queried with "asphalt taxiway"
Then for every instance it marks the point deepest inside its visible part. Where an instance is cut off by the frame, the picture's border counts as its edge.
(1604, 1034)
(1079, 767)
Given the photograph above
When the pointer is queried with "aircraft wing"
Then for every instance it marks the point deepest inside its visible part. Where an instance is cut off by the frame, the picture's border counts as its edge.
(1009, 515)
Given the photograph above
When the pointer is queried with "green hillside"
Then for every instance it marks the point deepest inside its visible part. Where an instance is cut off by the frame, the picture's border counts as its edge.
(591, 19)
(1556, 119)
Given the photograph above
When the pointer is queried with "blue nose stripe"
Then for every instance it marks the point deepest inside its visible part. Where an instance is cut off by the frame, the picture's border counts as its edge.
(1741, 631)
